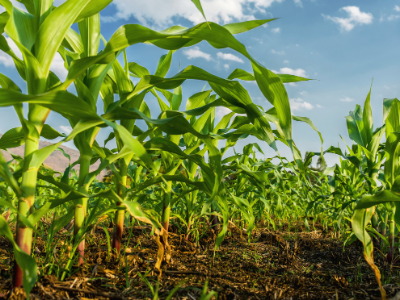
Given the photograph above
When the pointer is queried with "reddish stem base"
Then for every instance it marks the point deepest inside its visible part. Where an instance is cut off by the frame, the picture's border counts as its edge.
(23, 240)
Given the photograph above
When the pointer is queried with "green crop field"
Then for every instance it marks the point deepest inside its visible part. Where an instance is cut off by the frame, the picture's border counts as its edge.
(177, 216)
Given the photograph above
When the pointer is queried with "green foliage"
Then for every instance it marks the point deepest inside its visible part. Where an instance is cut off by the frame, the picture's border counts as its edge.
(171, 168)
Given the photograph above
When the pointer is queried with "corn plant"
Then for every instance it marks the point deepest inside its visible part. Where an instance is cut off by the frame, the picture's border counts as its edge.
(43, 31)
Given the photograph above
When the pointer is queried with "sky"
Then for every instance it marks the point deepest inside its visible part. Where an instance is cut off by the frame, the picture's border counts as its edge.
(343, 45)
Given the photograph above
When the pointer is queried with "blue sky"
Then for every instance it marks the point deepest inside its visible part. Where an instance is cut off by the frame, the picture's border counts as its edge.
(342, 44)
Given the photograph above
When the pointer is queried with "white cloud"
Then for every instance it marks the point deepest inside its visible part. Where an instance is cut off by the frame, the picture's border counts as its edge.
(195, 52)
(298, 3)
(229, 56)
(355, 17)
(226, 66)
(286, 61)
(5, 59)
(57, 66)
(18, 5)
(319, 106)
(66, 129)
(300, 104)
(222, 111)
(278, 52)
(397, 8)
(219, 11)
(393, 17)
(297, 72)
(276, 30)
(2, 9)
(303, 93)
(346, 99)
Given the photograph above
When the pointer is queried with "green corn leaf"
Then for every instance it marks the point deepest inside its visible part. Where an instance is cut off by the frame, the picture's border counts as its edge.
(50, 133)
(12, 138)
(62, 102)
(8, 176)
(29, 4)
(42, 9)
(132, 143)
(137, 70)
(270, 84)
(355, 126)
(3, 20)
(164, 64)
(392, 120)
(22, 28)
(392, 163)
(92, 8)
(367, 118)
(7, 5)
(54, 28)
(387, 104)
(244, 75)
(7, 83)
(197, 3)
(89, 29)
(235, 28)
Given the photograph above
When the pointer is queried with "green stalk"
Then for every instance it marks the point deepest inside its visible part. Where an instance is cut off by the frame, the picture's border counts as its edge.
(375, 224)
(81, 206)
(384, 227)
(166, 211)
(390, 254)
(25, 203)
(120, 214)
(189, 208)
(214, 218)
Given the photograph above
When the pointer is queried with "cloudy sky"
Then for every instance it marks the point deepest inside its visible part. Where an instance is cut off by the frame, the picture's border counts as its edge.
(342, 44)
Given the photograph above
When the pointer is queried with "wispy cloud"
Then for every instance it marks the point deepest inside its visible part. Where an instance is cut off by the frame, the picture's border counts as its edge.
(300, 104)
(195, 52)
(355, 17)
(222, 111)
(303, 93)
(57, 66)
(276, 30)
(393, 17)
(5, 59)
(66, 129)
(278, 52)
(346, 99)
(229, 56)
(298, 3)
(226, 66)
(297, 72)
(286, 61)
(219, 11)
(397, 8)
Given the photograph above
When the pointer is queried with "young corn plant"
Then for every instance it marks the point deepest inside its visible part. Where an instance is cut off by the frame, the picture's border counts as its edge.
(388, 197)
(43, 31)
(38, 34)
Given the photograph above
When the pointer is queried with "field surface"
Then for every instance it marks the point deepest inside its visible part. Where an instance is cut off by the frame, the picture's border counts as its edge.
(288, 263)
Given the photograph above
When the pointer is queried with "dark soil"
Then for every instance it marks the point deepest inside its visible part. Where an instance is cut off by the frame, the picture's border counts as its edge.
(274, 265)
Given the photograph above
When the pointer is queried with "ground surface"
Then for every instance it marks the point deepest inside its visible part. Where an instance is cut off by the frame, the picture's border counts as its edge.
(274, 265)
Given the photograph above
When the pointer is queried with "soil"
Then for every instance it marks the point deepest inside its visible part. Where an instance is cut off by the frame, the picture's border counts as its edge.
(274, 265)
